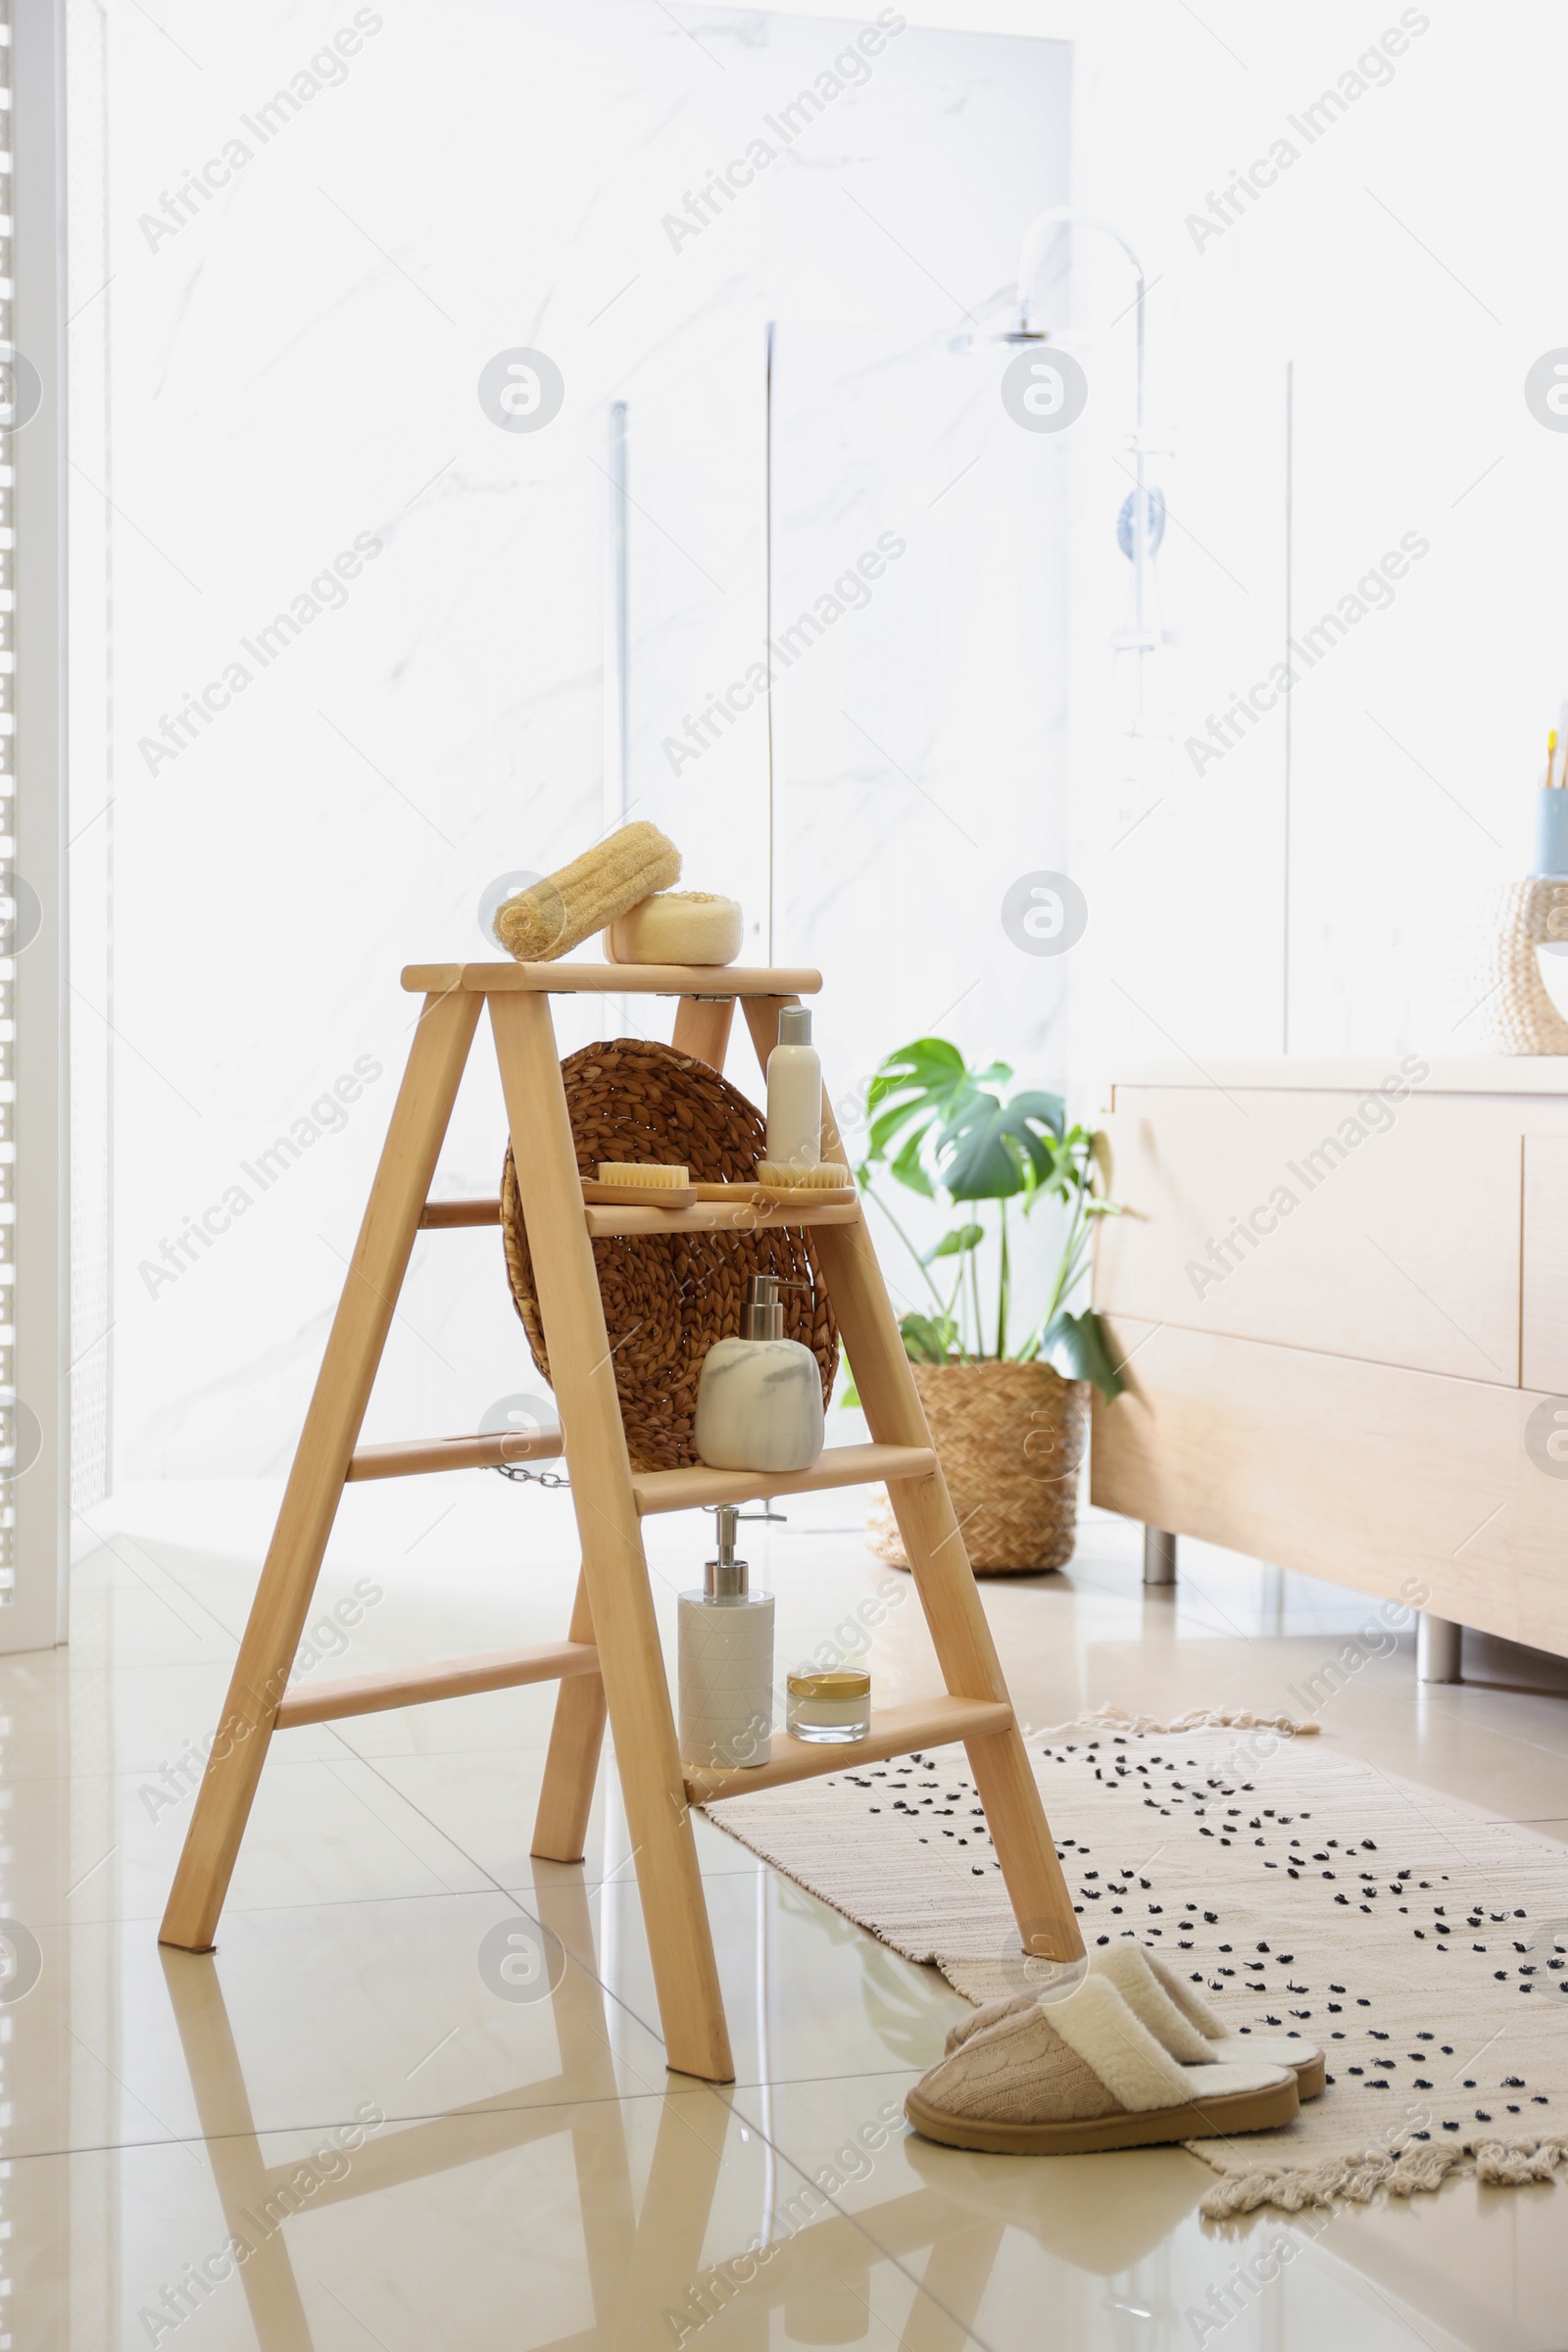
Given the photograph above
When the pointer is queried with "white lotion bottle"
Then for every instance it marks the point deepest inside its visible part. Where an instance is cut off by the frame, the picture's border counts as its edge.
(759, 1397)
(794, 1093)
(725, 1662)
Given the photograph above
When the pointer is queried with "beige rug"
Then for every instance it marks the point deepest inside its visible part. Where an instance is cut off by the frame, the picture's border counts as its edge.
(1424, 1947)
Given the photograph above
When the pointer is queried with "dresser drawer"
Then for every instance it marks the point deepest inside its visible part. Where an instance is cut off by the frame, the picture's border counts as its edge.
(1544, 1290)
(1366, 1474)
(1316, 1227)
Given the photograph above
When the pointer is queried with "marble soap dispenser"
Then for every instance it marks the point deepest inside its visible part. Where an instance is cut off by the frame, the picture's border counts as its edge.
(759, 1397)
(725, 1665)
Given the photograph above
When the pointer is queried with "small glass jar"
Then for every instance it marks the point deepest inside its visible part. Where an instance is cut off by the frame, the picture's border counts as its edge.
(835, 1706)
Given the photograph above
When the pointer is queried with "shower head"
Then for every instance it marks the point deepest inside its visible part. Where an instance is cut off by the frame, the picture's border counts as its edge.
(1037, 240)
(975, 338)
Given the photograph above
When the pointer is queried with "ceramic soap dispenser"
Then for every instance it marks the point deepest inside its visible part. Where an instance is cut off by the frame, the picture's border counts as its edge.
(726, 1661)
(759, 1397)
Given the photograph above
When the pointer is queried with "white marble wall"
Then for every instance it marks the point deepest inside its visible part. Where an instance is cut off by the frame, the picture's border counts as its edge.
(294, 376)
(1407, 261)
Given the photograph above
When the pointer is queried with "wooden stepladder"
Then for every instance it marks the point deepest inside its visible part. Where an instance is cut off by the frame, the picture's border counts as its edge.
(610, 1658)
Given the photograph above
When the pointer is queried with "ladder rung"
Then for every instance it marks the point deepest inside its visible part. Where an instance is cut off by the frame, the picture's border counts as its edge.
(437, 1215)
(713, 1216)
(895, 1731)
(453, 1678)
(612, 979)
(840, 1466)
(417, 1454)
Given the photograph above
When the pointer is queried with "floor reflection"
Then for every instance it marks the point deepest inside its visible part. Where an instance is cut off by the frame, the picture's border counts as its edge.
(668, 2259)
(259, 2199)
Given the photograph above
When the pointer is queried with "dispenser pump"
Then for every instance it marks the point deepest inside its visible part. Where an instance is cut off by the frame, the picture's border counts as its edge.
(763, 1316)
(725, 1578)
(795, 1025)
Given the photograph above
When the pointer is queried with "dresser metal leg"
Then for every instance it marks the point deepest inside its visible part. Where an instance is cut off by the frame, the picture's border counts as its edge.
(1437, 1648)
(1160, 1556)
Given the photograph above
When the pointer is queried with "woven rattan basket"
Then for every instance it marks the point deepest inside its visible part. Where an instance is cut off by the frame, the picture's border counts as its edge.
(1009, 1439)
(1512, 997)
(667, 1297)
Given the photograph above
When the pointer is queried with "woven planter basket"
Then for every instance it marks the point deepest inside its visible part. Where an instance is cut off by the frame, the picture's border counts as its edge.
(669, 1298)
(1009, 1439)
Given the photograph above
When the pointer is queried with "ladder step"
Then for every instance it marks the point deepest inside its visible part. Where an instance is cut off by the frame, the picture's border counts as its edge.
(895, 1731)
(438, 1214)
(841, 1466)
(416, 1455)
(612, 979)
(714, 1216)
(453, 1678)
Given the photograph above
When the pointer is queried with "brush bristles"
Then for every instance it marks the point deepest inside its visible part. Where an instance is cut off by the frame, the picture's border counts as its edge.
(655, 1179)
(829, 1174)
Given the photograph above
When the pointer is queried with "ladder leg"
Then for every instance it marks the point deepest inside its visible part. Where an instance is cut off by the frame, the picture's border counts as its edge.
(702, 1028)
(933, 1547)
(577, 1734)
(614, 1568)
(342, 1391)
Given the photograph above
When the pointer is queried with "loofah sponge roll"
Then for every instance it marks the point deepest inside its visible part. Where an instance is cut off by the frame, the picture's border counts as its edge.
(552, 916)
(677, 926)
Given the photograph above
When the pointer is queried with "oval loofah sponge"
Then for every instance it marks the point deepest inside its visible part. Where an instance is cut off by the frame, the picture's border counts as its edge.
(552, 916)
(677, 926)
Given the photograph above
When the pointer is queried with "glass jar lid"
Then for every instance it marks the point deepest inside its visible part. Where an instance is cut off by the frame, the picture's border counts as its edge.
(845, 1682)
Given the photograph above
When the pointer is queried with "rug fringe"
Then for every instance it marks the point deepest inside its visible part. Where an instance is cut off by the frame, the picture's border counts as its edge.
(1111, 1718)
(1414, 2172)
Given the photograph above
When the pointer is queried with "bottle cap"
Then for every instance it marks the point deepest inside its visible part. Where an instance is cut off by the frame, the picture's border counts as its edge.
(795, 1025)
(843, 1681)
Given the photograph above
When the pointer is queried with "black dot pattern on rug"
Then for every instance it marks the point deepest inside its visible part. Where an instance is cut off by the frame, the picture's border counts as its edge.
(1273, 1985)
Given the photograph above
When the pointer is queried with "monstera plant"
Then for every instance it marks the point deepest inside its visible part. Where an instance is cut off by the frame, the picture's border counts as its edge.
(947, 1132)
(1014, 1424)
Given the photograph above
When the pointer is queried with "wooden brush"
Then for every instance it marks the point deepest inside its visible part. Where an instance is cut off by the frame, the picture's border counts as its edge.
(783, 1175)
(639, 1184)
(829, 1181)
(673, 1178)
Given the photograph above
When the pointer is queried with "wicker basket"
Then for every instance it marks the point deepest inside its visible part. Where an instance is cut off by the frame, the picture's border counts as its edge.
(1519, 1013)
(1009, 1439)
(669, 1298)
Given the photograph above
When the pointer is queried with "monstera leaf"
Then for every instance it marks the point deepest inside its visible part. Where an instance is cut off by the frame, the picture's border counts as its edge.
(953, 1131)
(927, 1338)
(955, 1244)
(921, 1085)
(984, 1147)
(1081, 1340)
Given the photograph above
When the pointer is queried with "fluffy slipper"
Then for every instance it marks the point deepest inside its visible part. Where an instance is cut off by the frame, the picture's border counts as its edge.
(1086, 2075)
(980, 2020)
(1178, 2016)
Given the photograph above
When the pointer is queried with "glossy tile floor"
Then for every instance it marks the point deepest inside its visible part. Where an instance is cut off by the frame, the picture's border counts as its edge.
(422, 2151)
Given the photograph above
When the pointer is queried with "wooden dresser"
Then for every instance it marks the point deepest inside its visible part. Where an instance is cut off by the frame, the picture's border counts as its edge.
(1341, 1292)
